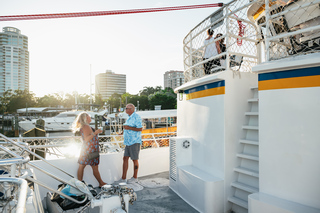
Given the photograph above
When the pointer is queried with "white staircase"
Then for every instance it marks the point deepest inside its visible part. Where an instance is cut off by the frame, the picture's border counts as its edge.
(248, 160)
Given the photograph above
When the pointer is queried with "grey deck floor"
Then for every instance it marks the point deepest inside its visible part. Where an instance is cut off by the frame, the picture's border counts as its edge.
(149, 200)
(159, 200)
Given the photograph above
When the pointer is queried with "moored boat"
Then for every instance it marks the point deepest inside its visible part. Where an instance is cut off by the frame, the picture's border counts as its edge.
(61, 122)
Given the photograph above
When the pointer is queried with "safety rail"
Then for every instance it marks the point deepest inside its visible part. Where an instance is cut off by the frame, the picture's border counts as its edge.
(239, 33)
(253, 33)
(13, 187)
(60, 146)
(14, 164)
(294, 27)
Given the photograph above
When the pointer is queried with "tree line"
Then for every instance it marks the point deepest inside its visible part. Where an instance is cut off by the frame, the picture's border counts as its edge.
(147, 98)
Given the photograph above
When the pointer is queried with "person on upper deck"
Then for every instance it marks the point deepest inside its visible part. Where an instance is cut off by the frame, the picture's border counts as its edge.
(222, 47)
(89, 154)
(132, 139)
(211, 48)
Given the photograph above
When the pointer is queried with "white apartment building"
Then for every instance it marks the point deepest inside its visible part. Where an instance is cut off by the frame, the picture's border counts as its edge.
(173, 79)
(109, 83)
(14, 60)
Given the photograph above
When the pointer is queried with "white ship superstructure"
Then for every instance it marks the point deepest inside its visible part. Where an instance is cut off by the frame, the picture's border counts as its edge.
(248, 132)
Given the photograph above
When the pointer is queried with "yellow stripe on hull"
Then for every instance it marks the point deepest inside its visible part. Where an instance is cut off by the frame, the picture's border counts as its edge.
(206, 93)
(287, 83)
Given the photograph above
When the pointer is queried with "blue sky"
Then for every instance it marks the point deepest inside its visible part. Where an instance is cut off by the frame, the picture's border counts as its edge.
(142, 46)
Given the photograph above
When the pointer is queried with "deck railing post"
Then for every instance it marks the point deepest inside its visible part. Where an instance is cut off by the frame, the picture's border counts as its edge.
(267, 7)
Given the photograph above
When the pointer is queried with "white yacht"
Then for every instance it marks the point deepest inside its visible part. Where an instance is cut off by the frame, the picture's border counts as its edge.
(247, 134)
(61, 122)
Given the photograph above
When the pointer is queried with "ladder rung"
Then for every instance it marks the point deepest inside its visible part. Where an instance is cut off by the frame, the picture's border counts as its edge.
(238, 202)
(251, 113)
(252, 100)
(246, 156)
(247, 171)
(251, 127)
(251, 142)
(245, 187)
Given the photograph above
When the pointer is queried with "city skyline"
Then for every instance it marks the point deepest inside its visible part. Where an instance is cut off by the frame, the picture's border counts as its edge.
(64, 52)
(14, 60)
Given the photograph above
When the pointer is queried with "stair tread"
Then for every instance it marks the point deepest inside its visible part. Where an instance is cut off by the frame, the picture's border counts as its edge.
(250, 127)
(252, 142)
(238, 202)
(245, 187)
(247, 156)
(247, 171)
(253, 100)
(251, 113)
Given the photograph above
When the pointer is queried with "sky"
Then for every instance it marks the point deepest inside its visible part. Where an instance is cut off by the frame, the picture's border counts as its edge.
(66, 53)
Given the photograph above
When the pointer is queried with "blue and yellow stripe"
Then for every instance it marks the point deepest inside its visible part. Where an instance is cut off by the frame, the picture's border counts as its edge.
(298, 78)
(216, 88)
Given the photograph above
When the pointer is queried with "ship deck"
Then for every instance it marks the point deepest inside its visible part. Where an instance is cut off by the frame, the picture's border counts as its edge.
(161, 199)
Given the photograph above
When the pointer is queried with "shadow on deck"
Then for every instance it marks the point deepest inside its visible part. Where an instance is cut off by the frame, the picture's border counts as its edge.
(159, 200)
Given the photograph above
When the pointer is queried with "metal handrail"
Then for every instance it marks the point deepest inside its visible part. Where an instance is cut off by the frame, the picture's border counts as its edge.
(21, 206)
(58, 192)
(34, 154)
(9, 162)
(19, 159)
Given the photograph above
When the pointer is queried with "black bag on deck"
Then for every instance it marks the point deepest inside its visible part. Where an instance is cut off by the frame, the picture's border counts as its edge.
(67, 204)
(56, 197)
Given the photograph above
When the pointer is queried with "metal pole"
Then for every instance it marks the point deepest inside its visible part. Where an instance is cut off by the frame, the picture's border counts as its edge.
(227, 38)
(27, 110)
(267, 39)
(90, 91)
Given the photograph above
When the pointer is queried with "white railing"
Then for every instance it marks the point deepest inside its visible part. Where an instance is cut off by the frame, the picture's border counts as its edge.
(253, 33)
(14, 158)
(294, 28)
(13, 187)
(239, 33)
(56, 147)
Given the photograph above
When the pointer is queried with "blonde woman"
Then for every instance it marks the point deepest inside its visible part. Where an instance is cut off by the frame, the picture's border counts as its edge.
(90, 146)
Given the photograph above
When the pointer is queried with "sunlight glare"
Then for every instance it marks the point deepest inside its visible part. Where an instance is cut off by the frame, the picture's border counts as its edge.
(71, 151)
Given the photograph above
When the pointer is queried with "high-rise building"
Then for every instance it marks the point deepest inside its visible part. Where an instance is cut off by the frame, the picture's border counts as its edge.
(173, 79)
(14, 60)
(109, 83)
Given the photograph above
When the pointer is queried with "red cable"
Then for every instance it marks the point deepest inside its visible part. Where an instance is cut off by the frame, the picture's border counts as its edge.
(104, 13)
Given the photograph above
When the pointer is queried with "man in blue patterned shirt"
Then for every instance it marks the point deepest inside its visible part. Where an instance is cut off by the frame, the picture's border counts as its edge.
(132, 139)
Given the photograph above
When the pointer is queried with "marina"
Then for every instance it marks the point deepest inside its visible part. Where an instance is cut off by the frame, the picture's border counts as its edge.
(244, 137)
